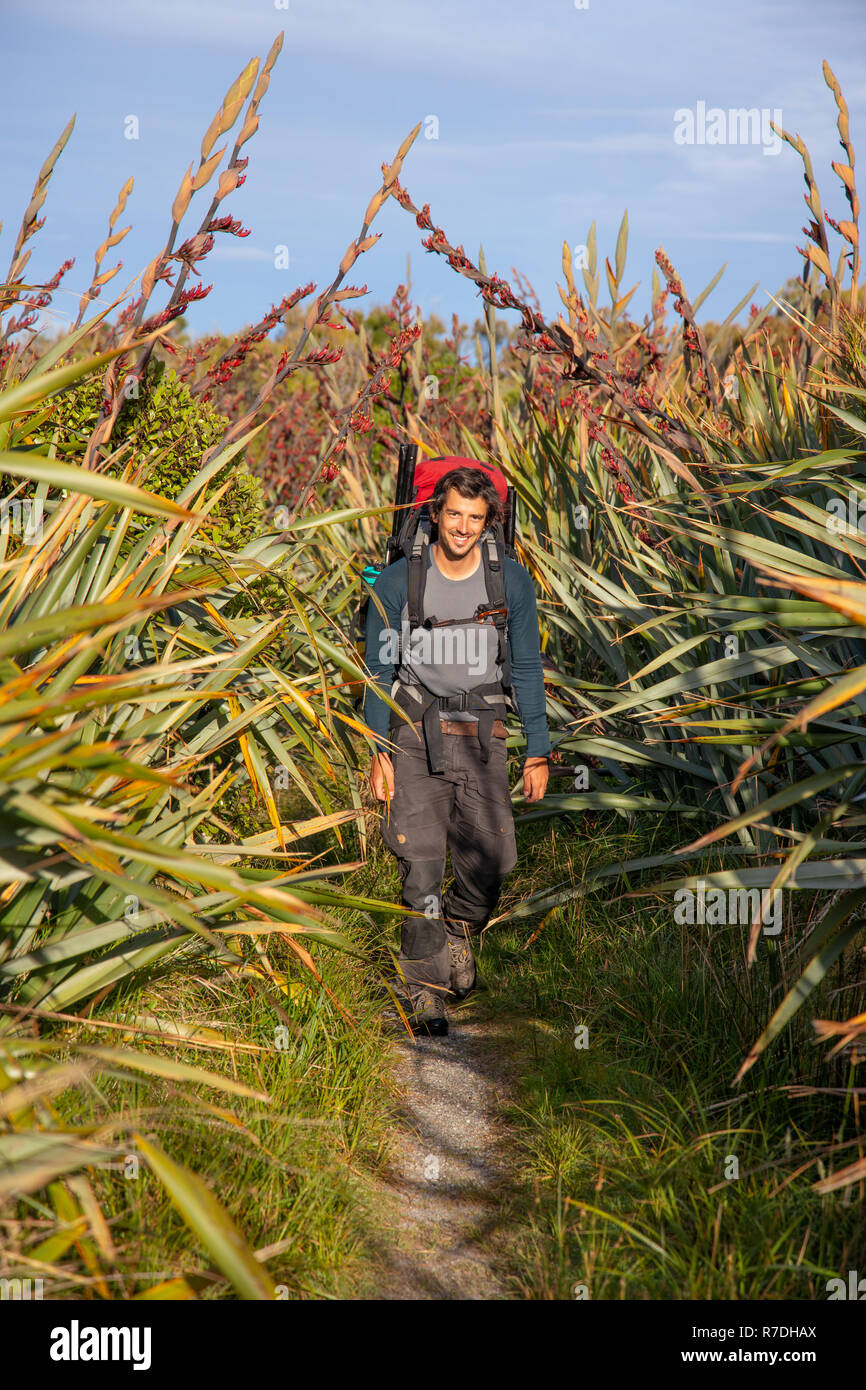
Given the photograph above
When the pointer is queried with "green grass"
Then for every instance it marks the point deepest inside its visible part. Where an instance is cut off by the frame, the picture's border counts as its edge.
(626, 1142)
(623, 1145)
(287, 1172)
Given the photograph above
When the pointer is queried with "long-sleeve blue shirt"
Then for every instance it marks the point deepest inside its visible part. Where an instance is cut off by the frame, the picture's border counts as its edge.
(392, 588)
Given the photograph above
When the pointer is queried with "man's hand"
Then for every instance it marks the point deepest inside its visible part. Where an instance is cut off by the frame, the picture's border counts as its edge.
(535, 775)
(382, 775)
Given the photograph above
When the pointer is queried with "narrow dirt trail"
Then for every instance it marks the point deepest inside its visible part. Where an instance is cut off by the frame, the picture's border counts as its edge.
(453, 1164)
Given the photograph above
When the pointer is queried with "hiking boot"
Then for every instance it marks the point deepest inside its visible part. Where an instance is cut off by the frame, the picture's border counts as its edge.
(428, 1012)
(462, 959)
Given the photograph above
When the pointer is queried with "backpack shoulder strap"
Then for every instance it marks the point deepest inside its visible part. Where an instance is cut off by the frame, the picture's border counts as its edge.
(493, 560)
(492, 557)
(417, 558)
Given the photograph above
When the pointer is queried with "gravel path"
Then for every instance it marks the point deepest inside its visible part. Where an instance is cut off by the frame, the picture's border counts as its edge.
(450, 1170)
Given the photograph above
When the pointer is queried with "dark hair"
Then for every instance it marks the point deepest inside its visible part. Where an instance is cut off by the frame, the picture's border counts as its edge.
(469, 482)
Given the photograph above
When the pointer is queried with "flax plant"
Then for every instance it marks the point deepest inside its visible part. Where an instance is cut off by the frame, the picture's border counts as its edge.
(140, 679)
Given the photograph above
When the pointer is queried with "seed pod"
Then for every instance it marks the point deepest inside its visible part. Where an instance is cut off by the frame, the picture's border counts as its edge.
(184, 193)
(230, 109)
(207, 169)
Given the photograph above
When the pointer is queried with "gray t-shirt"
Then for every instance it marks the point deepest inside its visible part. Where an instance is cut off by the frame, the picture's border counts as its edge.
(448, 660)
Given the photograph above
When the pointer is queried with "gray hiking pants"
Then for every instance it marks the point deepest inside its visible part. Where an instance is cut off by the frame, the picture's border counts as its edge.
(465, 809)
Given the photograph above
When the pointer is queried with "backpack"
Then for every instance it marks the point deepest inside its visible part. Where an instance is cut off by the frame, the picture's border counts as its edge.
(411, 536)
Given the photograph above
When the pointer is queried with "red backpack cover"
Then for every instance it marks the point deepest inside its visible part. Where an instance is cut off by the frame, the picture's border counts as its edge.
(429, 471)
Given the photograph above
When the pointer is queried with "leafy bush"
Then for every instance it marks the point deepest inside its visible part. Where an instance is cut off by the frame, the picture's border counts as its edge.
(165, 424)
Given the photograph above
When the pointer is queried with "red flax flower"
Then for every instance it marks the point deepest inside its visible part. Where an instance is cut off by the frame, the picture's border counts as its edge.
(193, 356)
(33, 302)
(401, 342)
(323, 356)
(436, 241)
(359, 416)
(669, 273)
(232, 225)
(222, 371)
(43, 298)
(194, 249)
(174, 311)
(126, 315)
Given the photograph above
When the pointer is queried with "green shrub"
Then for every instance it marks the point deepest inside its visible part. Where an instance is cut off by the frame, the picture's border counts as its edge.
(170, 426)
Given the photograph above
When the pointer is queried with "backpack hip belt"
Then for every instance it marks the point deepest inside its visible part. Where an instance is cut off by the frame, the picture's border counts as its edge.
(482, 700)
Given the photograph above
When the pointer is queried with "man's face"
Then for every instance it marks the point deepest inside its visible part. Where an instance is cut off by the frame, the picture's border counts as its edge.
(461, 522)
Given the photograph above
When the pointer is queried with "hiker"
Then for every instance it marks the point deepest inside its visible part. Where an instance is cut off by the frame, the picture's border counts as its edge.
(446, 785)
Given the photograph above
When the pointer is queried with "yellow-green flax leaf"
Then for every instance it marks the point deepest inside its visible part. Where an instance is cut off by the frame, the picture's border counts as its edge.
(211, 1223)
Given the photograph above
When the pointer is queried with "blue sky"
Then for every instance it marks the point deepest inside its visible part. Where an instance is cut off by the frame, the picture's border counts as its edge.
(549, 116)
